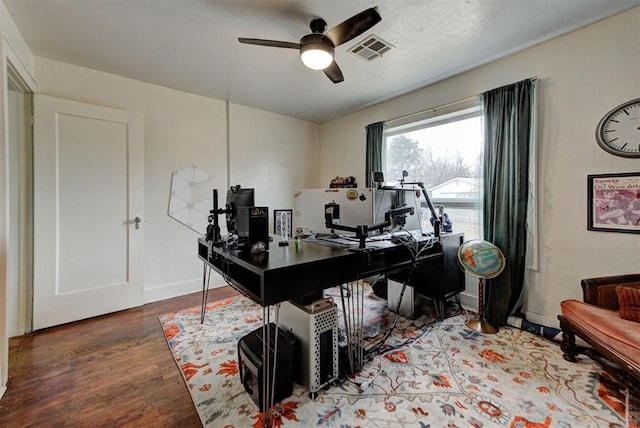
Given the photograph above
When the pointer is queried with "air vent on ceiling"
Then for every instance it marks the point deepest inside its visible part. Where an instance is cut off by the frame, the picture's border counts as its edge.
(371, 48)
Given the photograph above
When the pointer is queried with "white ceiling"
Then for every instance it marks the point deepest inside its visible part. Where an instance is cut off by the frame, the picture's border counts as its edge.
(191, 45)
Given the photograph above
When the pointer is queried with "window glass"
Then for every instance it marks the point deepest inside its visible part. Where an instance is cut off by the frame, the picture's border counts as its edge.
(445, 153)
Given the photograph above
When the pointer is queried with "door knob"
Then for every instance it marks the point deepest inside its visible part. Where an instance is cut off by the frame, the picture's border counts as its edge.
(137, 221)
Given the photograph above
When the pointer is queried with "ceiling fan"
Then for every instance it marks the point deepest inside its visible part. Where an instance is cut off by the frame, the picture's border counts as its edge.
(316, 49)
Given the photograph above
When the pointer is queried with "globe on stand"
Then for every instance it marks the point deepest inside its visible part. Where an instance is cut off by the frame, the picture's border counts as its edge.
(483, 260)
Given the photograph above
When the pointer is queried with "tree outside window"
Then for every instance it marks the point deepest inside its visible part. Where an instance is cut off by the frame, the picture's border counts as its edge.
(446, 156)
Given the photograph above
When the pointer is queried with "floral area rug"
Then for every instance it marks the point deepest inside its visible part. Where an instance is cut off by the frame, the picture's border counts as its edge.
(438, 374)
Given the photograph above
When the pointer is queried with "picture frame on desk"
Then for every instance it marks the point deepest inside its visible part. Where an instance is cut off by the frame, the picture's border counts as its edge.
(614, 202)
(277, 222)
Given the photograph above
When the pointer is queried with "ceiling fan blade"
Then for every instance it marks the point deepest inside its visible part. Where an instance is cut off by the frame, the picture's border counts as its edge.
(353, 26)
(334, 73)
(272, 43)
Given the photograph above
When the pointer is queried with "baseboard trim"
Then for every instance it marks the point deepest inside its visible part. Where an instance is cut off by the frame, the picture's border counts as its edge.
(167, 291)
(542, 320)
(469, 301)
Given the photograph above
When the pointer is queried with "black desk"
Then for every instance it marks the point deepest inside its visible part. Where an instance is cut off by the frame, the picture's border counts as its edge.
(290, 273)
(298, 272)
(282, 273)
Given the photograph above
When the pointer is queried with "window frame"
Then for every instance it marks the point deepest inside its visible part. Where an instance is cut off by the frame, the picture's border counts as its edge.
(438, 116)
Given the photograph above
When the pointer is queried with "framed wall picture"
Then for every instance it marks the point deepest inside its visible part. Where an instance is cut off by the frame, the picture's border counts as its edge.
(614, 202)
(278, 217)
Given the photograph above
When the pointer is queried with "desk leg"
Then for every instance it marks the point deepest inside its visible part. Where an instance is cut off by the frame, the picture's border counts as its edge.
(269, 376)
(361, 325)
(353, 314)
(359, 321)
(347, 329)
(266, 384)
(205, 290)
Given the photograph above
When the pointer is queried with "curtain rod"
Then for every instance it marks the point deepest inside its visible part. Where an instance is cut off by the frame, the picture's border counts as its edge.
(442, 106)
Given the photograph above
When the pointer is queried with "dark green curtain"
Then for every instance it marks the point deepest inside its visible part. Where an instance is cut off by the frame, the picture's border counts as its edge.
(375, 139)
(508, 119)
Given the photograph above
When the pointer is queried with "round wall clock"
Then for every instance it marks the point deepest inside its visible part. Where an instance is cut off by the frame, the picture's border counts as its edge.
(619, 130)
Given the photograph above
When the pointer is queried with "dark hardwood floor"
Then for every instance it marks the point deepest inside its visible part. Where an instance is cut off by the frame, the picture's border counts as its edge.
(113, 370)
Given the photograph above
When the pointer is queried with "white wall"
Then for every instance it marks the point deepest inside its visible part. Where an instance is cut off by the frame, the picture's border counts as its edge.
(183, 129)
(274, 154)
(582, 75)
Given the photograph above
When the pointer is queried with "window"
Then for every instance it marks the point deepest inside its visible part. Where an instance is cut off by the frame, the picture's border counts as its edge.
(443, 149)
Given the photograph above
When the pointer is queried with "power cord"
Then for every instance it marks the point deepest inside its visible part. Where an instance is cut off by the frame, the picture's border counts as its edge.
(382, 350)
(408, 343)
(408, 241)
(228, 245)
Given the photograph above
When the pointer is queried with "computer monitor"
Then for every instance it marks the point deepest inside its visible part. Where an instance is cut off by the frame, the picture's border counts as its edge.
(237, 197)
(356, 208)
(387, 199)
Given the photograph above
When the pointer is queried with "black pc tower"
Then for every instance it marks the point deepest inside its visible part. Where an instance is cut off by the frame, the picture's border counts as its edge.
(250, 364)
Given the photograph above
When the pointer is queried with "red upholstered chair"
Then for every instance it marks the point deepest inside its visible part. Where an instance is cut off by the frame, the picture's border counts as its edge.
(614, 341)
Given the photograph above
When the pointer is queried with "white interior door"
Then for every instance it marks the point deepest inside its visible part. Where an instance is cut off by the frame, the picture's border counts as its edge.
(88, 190)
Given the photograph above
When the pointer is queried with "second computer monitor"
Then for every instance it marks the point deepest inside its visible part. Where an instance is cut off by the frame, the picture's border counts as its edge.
(387, 199)
(237, 197)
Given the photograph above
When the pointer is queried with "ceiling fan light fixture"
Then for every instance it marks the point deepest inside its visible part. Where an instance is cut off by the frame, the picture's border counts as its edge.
(316, 51)
(316, 59)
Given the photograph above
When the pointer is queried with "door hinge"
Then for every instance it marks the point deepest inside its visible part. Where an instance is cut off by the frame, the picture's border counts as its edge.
(32, 120)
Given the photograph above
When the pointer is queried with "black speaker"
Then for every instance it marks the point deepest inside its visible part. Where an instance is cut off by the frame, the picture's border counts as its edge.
(250, 363)
(253, 229)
